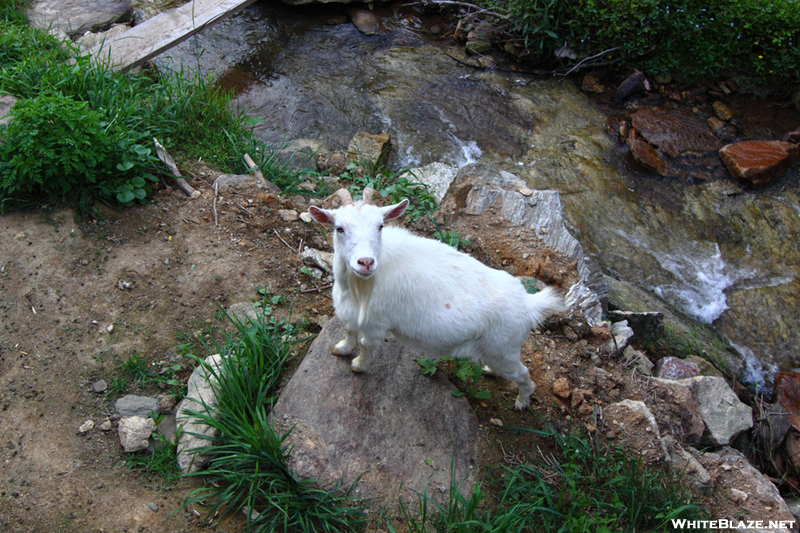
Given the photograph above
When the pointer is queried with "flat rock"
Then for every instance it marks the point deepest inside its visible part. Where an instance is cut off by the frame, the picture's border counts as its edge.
(674, 130)
(396, 428)
(301, 154)
(132, 405)
(758, 163)
(684, 464)
(730, 470)
(677, 410)
(73, 18)
(245, 182)
(638, 360)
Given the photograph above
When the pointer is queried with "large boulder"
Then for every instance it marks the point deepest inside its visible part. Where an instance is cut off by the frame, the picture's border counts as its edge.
(393, 429)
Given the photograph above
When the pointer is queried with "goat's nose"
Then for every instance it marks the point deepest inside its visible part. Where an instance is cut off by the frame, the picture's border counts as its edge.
(366, 262)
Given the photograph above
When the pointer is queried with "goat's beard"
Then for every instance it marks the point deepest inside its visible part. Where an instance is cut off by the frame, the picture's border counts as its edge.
(360, 291)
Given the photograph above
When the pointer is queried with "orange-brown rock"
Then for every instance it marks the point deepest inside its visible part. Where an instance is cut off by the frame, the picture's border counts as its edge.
(757, 163)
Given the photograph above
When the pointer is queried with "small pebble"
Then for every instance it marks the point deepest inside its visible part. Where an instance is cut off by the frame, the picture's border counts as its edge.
(100, 386)
(153, 507)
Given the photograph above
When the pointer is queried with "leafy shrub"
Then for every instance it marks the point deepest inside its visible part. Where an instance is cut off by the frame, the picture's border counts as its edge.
(543, 24)
(56, 146)
(83, 132)
(688, 38)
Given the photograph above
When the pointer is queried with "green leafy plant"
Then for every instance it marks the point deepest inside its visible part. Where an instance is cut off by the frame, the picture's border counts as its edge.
(689, 39)
(470, 373)
(530, 286)
(465, 370)
(393, 186)
(427, 366)
(82, 132)
(451, 238)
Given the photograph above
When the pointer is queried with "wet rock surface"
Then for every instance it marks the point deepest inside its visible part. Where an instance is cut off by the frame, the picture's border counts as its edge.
(758, 163)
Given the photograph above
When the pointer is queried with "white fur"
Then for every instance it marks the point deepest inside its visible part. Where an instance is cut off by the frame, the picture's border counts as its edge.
(434, 299)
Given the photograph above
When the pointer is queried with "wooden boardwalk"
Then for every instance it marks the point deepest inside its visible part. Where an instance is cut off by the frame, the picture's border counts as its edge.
(162, 32)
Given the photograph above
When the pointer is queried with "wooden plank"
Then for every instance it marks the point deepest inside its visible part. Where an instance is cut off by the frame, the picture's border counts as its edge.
(162, 32)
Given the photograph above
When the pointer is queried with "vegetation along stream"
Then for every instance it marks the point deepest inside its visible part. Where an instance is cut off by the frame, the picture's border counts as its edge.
(724, 255)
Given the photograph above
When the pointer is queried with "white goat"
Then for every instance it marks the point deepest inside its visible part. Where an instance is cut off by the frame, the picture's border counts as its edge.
(434, 299)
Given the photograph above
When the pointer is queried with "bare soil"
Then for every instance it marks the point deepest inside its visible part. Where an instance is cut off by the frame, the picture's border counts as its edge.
(79, 297)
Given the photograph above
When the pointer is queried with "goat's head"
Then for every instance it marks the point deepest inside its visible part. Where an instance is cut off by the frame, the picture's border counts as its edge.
(357, 229)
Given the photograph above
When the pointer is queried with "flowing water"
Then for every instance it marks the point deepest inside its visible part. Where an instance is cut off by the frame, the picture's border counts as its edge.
(726, 256)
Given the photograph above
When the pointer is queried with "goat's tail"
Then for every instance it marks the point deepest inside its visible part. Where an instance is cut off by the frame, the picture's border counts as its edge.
(544, 303)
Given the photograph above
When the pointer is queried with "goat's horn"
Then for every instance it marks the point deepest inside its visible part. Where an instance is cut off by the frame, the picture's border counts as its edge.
(344, 196)
(368, 193)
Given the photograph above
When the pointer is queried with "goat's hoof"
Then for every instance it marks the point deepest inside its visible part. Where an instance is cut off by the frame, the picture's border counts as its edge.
(341, 349)
(519, 405)
(359, 366)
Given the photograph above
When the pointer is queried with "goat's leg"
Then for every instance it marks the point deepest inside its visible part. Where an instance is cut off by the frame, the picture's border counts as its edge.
(511, 368)
(347, 345)
(363, 362)
(526, 388)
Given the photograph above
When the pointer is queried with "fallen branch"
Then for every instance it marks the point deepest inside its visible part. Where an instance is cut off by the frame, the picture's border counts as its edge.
(284, 242)
(173, 169)
(214, 203)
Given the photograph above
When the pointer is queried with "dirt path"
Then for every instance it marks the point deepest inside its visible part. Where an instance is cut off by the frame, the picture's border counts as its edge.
(60, 293)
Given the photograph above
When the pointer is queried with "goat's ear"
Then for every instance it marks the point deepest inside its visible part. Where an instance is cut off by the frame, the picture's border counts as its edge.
(320, 215)
(394, 211)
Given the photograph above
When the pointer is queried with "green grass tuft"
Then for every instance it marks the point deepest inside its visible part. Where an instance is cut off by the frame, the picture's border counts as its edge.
(248, 470)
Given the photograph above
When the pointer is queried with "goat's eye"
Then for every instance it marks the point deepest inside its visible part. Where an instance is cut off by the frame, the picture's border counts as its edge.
(339, 230)
(380, 227)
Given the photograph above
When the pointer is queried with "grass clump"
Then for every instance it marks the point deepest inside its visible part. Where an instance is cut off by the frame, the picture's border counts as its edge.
(585, 487)
(248, 467)
(162, 461)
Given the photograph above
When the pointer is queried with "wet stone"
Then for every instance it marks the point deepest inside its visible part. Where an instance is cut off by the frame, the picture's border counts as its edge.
(758, 163)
